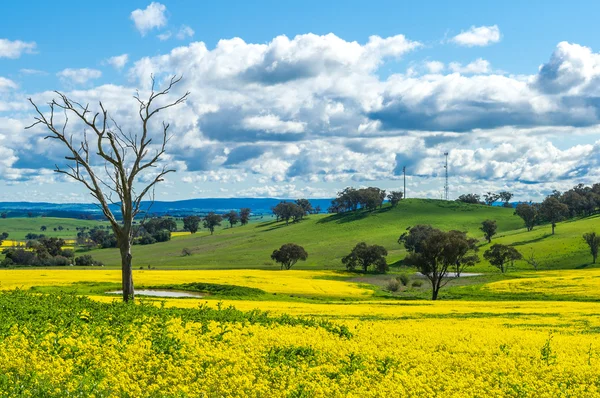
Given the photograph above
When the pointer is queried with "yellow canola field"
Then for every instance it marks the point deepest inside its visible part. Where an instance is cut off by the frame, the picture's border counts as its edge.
(302, 283)
(580, 283)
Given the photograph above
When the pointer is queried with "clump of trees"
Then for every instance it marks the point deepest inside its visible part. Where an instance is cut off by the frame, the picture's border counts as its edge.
(87, 260)
(43, 252)
(502, 256)
(363, 256)
(593, 241)
(286, 211)
(3, 237)
(489, 227)
(351, 199)
(435, 253)
(288, 255)
(553, 211)
(395, 197)
(489, 198)
(232, 217)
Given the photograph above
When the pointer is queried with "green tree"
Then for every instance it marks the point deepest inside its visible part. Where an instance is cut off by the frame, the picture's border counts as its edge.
(191, 223)
(305, 205)
(529, 213)
(553, 211)
(395, 197)
(593, 241)
(471, 198)
(288, 255)
(489, 227)
(501, 256)
(245, 215)
(232, 217)
(364, 256)
(211, 221)
(3, 237)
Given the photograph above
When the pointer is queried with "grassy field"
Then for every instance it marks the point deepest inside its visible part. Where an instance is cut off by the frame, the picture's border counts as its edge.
(17, 228)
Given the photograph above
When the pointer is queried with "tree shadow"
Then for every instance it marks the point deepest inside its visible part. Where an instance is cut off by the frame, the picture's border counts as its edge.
(583, 266)
(350, 216)
(525, 242)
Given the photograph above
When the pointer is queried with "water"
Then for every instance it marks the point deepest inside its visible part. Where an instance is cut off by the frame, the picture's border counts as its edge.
(162, 293)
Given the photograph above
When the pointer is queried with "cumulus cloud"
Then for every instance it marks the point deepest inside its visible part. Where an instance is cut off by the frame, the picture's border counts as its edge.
(7, 84)
(164, 36)
(272, 124)
(151, 17)
(78, 76)
(478, 66)
(478, 36)
(435, 66)
(118, 61)
(14, 49)
(185, 32)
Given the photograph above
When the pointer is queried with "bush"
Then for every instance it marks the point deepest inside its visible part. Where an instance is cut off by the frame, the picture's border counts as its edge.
(186, 252)
(417, 284)
(162, 236)
(59, 260)
(86, 260)
(404, 279)
(145, 239)
(393, 285)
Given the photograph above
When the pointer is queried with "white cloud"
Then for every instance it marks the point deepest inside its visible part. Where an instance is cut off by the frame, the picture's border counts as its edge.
(14, 49)
(26, 71)
(118, 61)
(7, 84)
(164, 36)
(78, 76)
(151, 17)
(185, 32)
(434, 66)
(479, 66)
(478, 36)
(272, 124)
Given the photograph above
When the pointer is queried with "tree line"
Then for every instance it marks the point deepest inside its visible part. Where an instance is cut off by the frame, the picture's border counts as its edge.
(371, 198)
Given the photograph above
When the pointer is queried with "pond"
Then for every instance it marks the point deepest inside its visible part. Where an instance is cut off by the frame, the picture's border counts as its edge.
(162, 293)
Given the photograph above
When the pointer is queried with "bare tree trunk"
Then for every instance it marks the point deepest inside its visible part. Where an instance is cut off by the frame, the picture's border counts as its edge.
(553, 225)
(126, 271)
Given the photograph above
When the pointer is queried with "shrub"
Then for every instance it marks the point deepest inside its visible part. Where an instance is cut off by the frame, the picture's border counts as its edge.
(404, 279)
(417, 283)
(163, 235)
(86, 260)
(59, 260)
(186, 252)
(145, 239)
(393, 285)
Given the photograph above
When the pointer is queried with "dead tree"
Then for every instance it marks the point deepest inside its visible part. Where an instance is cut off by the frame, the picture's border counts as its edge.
(125, 157)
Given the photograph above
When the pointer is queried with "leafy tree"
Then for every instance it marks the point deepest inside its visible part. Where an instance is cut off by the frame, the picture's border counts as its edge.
(191, 223)
(305, 205)
(505, 197)
(488, 227)
(287, 211)
(529, 213)
(434, 253)
(3, 215)
(153, 225)
(500, 256)
(395, 197)
(245, 215)
(364, 256)
(3, 237)
(87, 260)
(101, 237)
(211, 221)
(593, 241)
(490, 198)
(127, 156)
(471, 198)
(317, 210)
(553, 211)
(43, 228)
(288, 255)
(232, 217)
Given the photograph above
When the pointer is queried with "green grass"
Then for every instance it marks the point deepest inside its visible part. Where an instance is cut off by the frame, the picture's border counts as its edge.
(326, 238)
(17, 228)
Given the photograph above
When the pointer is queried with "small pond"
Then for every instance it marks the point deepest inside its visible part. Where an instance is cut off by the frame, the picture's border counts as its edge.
(162, 293)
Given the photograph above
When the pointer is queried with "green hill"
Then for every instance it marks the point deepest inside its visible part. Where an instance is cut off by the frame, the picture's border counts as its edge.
(327, 238)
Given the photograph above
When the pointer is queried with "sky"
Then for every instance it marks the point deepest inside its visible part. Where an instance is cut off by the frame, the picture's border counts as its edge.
(302, 99)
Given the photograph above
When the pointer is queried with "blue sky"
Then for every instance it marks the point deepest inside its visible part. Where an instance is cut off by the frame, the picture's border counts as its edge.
(342, 114)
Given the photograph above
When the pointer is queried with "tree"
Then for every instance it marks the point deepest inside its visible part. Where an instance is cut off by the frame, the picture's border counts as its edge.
(500, 256)
(288, 255)
(488, 227)
(529, 213)
(505, 197)
(434, 253)
(364, 256)
(490, 198)
(471, 198)
(232, 217)
(593, 241)
(244, 215)
(305, 205)
(3, 237)
(43, 228)
(553, 211)
(191, 223)
(3, 214)
(287, 211)
(395, 197)
(126, 157)
(211, 221)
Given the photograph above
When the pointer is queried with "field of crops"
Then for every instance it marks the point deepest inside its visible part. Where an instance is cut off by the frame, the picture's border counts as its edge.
(326, 345)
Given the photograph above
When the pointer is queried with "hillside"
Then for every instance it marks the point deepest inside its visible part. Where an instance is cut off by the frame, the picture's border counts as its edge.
(327, 238)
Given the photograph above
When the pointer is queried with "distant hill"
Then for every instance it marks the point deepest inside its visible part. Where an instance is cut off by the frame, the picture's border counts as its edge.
(176, 208)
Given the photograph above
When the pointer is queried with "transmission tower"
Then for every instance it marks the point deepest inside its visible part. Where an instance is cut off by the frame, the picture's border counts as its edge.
(446, 186)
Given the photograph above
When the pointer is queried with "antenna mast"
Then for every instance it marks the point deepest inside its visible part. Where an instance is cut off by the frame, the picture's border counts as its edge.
(446, 186)
(404, 172)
